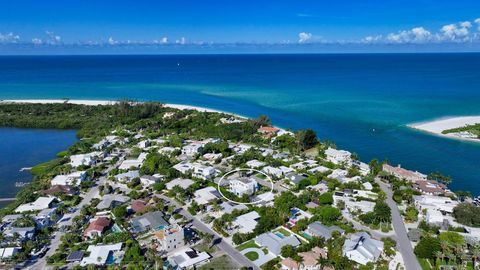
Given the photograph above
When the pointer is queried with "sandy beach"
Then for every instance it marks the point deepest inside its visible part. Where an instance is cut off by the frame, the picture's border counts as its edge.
(437, 126)
(107, 102)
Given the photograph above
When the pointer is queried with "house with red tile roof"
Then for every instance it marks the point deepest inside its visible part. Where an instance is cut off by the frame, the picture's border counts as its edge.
(97, 227)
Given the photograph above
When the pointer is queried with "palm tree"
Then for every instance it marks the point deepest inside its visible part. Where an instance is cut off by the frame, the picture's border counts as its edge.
(439, 255)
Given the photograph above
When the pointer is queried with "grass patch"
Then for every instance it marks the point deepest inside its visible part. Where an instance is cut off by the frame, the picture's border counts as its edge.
(424, 264)
(45, 167)
(283, 231)
(248, 244)
(222, 262)
(206, 247)
(252, 255)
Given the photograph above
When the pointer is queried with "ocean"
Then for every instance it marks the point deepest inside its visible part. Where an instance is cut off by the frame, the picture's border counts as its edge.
(23, 148)
(360, 101)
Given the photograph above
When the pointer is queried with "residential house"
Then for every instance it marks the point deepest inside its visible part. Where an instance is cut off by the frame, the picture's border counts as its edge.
(8, 252)
(39, 204)
(246, 223)
(255, 164)
(240, 186)
(151, 221)
(338, 156)
(183, 183)
(206, 195)
(317, 229)
(84, 159)
(186, 258)
(272, 171)
(103, 255)
(274, 242)
(192, 148)
(97, 227)
(127, 176)
(295, 178)
(133, 163)
(169, 238)
(109, 201)
(72, 179)
(361, 248)
(402, 173)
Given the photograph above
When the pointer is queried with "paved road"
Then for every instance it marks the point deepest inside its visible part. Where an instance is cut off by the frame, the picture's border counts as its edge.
(55, 242)
(267, 183)
(231, 251)
(403, 243)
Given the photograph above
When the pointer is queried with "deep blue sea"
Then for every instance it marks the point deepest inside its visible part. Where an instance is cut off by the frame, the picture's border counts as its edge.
(361, 101)
(20, 148)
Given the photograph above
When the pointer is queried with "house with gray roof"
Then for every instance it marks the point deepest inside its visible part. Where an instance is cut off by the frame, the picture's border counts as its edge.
(317, 229)
(274, 242)
(150, 221)
(109, 201)
(361, 248)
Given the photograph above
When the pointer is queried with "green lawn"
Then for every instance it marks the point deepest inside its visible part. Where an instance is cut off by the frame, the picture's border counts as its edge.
(248, 244)
(283, 231)
(223, 262)
(252, 255)
(424, 264)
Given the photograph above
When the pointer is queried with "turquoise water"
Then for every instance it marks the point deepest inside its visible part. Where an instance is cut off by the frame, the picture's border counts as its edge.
(362, 102)
(20, 148)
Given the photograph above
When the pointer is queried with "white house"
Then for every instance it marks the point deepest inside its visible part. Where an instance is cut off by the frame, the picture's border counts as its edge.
(127, 176)
(183, 183)
(39, 204)
(246, 223)
(186, 258)
(203, 172)
(167, 150)
(255, 164)
(206, 195)
(133, 163)
(169, 238)
(361, 248)
(84, 159)
(72, 179)
(99, 254)
(275, 172)
(302, 165)
(192, 148)
(242, 186)
(319, 169)
(149, 180)
(9, 252)
(338, 156)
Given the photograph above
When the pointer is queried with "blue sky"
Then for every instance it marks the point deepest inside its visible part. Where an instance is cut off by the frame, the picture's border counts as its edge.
(361, 22)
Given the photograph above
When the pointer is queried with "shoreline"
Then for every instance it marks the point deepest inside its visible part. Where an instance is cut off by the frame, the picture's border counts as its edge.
(89, 102)
(436, 127)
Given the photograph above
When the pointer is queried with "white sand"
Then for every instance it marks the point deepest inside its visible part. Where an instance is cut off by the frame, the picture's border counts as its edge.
(437, 126)
(108, 102)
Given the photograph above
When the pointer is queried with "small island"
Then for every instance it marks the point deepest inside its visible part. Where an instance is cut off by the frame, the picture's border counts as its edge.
(464, 127)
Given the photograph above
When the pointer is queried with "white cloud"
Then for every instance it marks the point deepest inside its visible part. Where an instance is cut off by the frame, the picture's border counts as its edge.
(372, 39)
(9, 38)
(181, 41)
(112, 41)
(415, 35)
(52, 38)
(304, 37)
(477, 21)
(164, 40)
(454, 32)
(37, 41)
